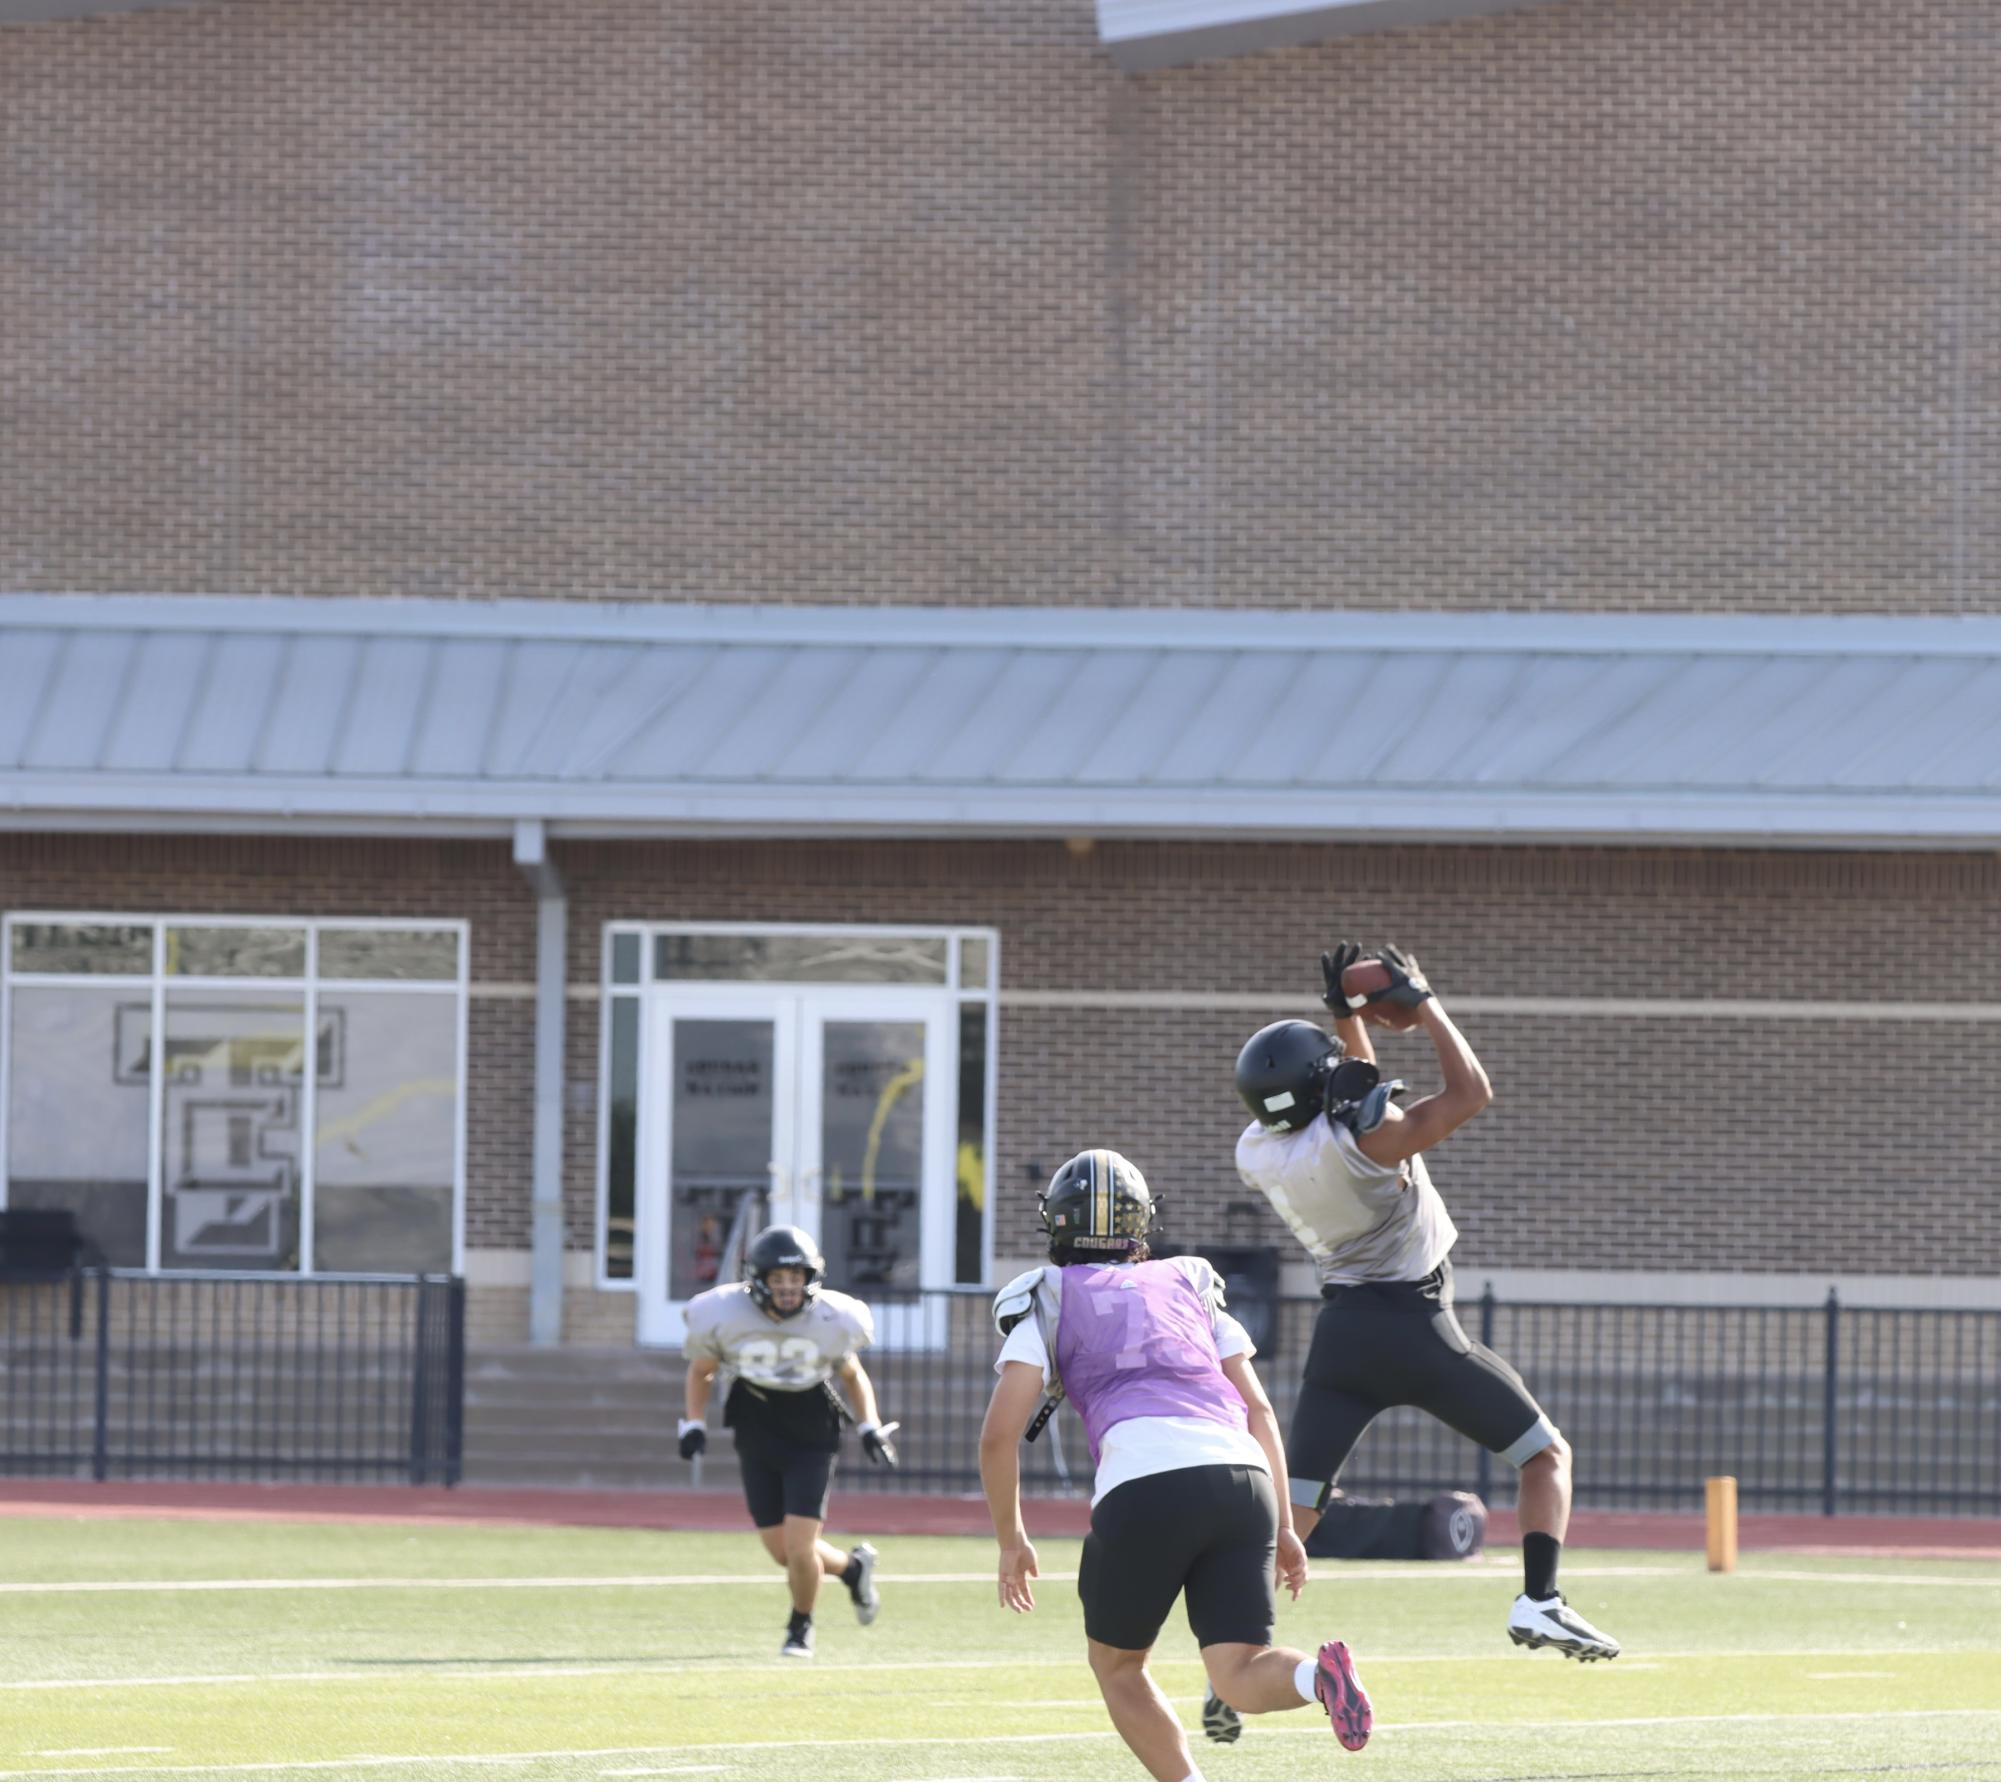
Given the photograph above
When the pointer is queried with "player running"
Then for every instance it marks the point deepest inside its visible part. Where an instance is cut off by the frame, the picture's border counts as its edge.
(1190, 1496)
(787, 1339)
(1343, 1166)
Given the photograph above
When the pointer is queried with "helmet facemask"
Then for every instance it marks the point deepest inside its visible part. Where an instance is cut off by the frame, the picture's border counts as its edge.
(783, 1246)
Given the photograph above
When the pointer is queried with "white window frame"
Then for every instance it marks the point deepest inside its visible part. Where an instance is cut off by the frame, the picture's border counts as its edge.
(309, 987)
(953, 934)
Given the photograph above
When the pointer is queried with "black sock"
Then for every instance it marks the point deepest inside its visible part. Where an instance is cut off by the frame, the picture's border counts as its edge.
(1540, 1552)
(801, 1622)
(851, 1574)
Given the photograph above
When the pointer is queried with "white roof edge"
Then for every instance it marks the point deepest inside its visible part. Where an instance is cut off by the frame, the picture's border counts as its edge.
(1024, 627)
(1144, 35)
(1676, 817)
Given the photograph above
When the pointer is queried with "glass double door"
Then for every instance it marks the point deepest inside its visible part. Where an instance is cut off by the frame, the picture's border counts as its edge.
(826, 1109)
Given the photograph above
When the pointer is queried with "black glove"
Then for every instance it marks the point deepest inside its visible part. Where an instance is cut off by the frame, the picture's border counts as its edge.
(694, 1438)
(1407, 985)
(876, 1443)
(1332, 965)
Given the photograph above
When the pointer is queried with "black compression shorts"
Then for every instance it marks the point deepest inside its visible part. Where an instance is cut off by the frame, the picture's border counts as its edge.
(780, 1480)
(1211, 1531)
(1386, 1343)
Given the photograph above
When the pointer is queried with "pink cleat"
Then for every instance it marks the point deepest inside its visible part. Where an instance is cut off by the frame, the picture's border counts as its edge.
(1342, 1695)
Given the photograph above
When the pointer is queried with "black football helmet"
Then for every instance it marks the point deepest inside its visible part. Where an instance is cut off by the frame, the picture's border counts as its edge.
(1097, 1207)
(1282, 1073)
(782, 1246)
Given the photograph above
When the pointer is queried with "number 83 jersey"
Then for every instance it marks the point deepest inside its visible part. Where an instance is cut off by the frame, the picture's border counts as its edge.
(792, 1354)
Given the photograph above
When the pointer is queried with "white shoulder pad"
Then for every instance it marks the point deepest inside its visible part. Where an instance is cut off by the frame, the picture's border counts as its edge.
(856, 1316)
(1201, 1272)
(701, 1319)
(1016, 1300)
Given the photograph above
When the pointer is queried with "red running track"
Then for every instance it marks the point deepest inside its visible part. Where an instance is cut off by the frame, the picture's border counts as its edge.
(872, 1513)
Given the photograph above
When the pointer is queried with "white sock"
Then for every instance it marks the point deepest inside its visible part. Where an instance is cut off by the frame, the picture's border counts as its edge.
(1302, 1680)
(1192, 1776)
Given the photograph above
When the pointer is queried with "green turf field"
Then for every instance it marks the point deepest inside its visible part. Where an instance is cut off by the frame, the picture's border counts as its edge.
(535, 1653)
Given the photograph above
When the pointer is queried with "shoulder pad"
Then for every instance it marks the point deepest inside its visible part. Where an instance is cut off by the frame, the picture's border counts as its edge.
(1367, 1114)
(1202, 1276)
(1016, 1300)
(855, 1314)
(704, 1310)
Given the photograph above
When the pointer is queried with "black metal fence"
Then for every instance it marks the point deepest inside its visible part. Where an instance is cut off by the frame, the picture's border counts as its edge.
(117, 1374)
(1825, 1408)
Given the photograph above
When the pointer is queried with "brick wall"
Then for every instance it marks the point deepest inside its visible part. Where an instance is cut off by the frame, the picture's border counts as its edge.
(1605, 304)
(1618, 1141)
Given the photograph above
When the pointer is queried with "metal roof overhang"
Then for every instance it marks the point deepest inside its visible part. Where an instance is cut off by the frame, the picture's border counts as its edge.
(439, 718)
(1143, 35)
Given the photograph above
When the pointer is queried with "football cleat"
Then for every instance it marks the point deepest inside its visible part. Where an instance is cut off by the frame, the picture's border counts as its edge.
(1342, 1695)
(798, 1641)
(862, 1590)
(1221, 1721)
(1555, 1623)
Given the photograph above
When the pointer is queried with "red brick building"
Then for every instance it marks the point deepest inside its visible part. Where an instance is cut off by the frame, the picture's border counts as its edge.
(887, 558)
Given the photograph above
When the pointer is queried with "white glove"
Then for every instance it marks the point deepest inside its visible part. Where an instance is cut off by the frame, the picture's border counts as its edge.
(694, 1437)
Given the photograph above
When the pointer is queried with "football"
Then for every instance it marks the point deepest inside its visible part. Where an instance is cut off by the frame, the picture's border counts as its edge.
(1364, 978)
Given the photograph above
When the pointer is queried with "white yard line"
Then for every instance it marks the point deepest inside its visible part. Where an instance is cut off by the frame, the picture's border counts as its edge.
(958, 1740)
(502, 1672)
(773, 1578)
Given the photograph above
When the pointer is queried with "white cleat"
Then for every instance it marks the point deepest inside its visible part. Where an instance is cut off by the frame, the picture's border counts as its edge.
(1555, 1623)
(867, 1601)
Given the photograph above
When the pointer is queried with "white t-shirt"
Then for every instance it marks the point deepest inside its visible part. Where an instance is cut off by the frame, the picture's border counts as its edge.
(1362, 1220)
(1143, 1445)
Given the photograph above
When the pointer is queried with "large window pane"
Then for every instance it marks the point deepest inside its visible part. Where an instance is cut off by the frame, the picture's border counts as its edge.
(82, 947)
(236, 952)
(229, 1132)
(413, 955)
(872, 1153)
(801, 958)
(385, 1120)
(76, 1110)
(621, 1152)
(723, 1103)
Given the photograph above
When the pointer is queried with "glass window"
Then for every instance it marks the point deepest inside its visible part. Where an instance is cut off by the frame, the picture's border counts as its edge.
(234, 1069)
(236, 952)
(724, 1098)
(385, 1120)
(83, 947)
(969, 1226)
(872, 1153)
(975, 963)
(77, 1108)
(229, 1067)
(415, 955)
(625, 955)
(621, 1152)
(832, 958)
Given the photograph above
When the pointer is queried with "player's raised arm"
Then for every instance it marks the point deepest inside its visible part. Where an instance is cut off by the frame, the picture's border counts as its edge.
(1409, 1002)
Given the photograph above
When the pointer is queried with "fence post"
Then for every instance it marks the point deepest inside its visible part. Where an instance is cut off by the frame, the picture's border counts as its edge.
(455, 1381)
(1483, 1468)
(100, 1435)
(422, 1343)
(1828, 1401)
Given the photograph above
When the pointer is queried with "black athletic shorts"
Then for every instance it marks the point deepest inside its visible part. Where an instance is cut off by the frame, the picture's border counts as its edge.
(780, 1480)
(1211, 1531)
(786, 1447)
(1387, 1343)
